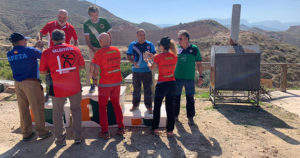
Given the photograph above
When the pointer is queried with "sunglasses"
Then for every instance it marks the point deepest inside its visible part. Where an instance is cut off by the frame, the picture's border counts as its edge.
(180, 39)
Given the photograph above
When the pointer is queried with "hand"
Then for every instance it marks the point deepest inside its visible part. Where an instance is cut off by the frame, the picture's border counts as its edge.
(76, 43)
(148, 56)
(200, 81)
(39, 44)
(94, 49)
(135, 65)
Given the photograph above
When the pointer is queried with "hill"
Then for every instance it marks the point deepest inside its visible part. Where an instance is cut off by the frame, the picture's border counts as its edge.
(23, 16)
(292, 35)
(272, 51)
(29, 16)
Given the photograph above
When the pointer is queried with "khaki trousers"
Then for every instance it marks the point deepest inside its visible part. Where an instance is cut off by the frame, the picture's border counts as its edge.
(29, 93)
(57, 115)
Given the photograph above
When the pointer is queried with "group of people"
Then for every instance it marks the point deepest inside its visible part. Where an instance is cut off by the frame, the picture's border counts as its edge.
(62, 62)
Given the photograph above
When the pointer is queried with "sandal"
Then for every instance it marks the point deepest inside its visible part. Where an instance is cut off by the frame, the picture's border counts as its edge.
(121, 131)
(170, 134)
(155, 132)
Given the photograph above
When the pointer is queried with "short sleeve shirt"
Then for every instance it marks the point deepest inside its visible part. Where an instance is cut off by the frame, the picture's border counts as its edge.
(187, 58)
(137, 50)
(93, 30)
(63, 62)
(166, 66)
(109, 60)
(23, 62)
(68, 29)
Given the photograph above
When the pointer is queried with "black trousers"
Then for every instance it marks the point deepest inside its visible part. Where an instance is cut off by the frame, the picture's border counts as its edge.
(164, 90)
(137, 79)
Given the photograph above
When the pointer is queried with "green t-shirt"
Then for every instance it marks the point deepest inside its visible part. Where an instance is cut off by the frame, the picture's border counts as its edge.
(186, 63)
(95, 29)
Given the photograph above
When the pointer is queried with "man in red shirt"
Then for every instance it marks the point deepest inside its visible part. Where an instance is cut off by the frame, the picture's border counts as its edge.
(108, 60)
(63, 61)
(61, 24)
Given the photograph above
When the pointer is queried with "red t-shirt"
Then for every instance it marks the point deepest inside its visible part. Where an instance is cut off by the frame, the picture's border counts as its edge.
(63, 62)
(109, 60)
(68, 29)
(166, 66)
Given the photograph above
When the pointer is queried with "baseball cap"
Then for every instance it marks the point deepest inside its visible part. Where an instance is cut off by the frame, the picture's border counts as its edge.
(15, 37)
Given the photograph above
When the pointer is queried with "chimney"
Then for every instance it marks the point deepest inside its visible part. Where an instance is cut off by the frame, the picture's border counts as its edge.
(235, 24)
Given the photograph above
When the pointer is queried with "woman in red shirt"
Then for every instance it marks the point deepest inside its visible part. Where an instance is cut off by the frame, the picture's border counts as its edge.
(166, 63)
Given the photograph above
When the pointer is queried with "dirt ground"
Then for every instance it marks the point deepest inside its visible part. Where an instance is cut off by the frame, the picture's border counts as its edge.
(229, 130)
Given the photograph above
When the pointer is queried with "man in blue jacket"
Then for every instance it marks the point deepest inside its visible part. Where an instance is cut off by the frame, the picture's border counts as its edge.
(23, 61)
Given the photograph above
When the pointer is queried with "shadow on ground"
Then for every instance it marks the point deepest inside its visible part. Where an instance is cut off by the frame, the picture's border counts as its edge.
(256, 116)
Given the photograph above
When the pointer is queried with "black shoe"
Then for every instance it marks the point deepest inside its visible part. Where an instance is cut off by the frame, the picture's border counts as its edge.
(92, 89)
(77, 141)
(47, 135)
(191, 122)
(30, 137)
(61, 143)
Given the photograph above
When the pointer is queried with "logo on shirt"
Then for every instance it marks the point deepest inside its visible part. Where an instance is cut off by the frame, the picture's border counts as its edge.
(169, 58)
(180, 50)
(148, 47)
(16, 52)
(102, 26)
(65, 66)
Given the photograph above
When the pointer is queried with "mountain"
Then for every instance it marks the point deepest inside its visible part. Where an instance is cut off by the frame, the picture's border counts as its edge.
(272, 51)
(164, 25)
(29, 16)
(197, 29)
(268, 25)
(292, 35)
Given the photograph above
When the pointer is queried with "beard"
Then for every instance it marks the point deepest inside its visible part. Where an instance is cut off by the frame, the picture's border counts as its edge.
(61, 24)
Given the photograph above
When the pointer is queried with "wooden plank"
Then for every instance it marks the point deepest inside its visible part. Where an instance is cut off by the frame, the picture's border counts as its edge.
(283, 80)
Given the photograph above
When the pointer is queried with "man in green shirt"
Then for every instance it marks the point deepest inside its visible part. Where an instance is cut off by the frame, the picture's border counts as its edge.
(92, 28)
(189, 58)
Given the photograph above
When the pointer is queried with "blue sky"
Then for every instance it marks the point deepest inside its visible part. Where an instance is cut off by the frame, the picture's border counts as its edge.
(176, 11)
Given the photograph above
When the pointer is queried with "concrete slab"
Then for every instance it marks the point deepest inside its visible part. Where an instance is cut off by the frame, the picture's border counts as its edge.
(289, 100)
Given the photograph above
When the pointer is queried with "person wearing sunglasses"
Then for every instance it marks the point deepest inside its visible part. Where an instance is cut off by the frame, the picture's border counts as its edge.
(189, 58)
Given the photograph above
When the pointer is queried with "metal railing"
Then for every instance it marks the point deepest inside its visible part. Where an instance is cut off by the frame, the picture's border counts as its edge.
(283, 72)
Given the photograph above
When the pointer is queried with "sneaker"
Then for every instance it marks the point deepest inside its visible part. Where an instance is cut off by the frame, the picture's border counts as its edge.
(77, 141)
(61, 143)
(47, 135)
(30, 137)
(191, 121)
(133, 108)
(121, 131)
(92, 89)
(105, 135)
(150, 111)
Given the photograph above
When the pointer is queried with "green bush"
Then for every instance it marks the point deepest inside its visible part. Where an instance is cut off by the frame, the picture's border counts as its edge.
(125, 69)
(5, 71)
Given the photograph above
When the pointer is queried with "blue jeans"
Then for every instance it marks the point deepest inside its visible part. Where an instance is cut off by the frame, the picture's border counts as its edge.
(189, 86)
